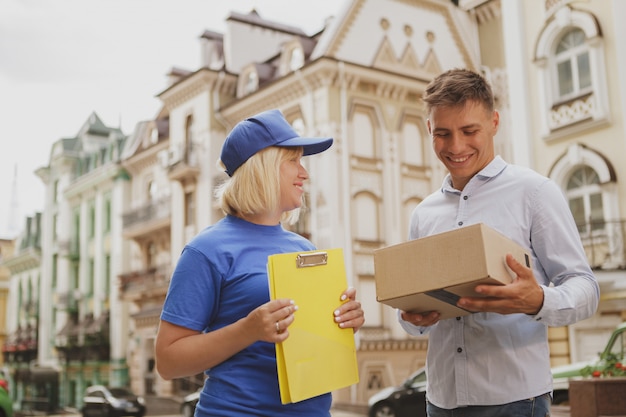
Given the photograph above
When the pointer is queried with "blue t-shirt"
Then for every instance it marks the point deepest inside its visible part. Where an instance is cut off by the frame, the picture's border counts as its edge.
(221, 277)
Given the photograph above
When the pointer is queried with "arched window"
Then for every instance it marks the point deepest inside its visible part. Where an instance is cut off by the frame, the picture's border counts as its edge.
(590, 186)
(364, 134)
(412, 143)
(188, 138)
(366, 217)
(585, 200)
(569, 55)
(572, 65)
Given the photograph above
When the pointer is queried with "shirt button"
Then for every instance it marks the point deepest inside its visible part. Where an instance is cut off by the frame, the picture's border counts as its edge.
(459, 350)
(465, 197)
(460, 223)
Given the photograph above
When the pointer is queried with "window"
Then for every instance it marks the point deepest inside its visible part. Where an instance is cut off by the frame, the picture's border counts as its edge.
(366, 217)
(153, 191)
(92, 220)
(75, 248)
(91, 277)
(55, 226)
(375, 310)
(188, 138)
(54, 270)
(298, 126)
(585, 200)
(190, 208)
(55, 191)
(412, 144)
(569, 55)
(107, 214)
(364, 133)
(252, 81)
(151, 253)
(75, 276)
(572, 65)
(107, 275)
(590, 186)
(296, 60)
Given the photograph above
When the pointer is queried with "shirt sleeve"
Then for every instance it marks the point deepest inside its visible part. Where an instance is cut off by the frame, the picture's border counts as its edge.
(410, 328)
(571, 291)
(192, 298)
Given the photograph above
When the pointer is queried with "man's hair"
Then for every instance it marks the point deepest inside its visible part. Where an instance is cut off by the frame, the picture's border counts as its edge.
(457, 86)
(255, 186)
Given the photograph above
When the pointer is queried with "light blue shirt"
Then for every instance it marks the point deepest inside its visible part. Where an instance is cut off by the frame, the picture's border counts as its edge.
(489, 358)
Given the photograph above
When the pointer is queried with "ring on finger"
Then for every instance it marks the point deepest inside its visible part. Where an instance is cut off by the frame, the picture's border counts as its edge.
(277, 327)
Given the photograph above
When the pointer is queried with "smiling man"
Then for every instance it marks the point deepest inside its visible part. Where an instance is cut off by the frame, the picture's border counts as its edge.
(496, 361)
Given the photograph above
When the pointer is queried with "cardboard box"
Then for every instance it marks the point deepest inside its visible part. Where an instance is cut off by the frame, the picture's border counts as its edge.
(432, 273)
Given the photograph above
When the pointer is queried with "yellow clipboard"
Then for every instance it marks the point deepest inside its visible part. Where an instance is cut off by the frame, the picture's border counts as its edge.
(318, 356)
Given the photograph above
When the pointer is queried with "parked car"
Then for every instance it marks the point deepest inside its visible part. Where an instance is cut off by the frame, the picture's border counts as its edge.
(188, 406)
(409, 399)
(101, 401)
(406, 400)
(6, 403)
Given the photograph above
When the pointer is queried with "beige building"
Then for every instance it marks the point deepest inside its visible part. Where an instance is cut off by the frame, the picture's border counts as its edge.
(20, 348)
(559, 68)
(6, 251)
(83, 326)
(360, 81)
(146, 225)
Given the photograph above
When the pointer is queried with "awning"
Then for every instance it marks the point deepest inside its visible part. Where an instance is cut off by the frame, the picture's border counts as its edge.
(44, 374)
(37, 374)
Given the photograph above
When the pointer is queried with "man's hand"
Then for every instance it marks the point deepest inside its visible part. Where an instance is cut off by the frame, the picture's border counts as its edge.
(523, 295)
(420, 319)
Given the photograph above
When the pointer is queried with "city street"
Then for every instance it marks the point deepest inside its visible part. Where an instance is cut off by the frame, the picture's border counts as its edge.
(557, 411)
(334, 413)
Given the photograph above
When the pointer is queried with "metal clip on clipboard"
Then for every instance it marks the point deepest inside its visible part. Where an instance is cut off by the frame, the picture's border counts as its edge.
(311, 259)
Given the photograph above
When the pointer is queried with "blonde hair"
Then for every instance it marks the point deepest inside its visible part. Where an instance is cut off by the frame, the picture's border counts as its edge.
(254, 187)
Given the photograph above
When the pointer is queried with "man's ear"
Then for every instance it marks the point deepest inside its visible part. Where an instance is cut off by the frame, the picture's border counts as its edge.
(430, 132)
(496, 121)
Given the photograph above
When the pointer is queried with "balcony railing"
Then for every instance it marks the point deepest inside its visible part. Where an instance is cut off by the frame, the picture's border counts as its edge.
(154, 210)
(604, 243)
(146, 282)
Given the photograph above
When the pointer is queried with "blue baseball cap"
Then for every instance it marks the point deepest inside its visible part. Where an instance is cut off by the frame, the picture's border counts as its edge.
(269, 128)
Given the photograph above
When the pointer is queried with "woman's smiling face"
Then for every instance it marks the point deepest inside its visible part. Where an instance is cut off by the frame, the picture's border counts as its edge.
(463, 139)
(292, 177)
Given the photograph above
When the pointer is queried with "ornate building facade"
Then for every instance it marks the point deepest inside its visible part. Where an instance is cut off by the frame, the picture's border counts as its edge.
(120, 209)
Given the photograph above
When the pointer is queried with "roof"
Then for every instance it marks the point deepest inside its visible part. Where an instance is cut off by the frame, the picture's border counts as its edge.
(253, 18)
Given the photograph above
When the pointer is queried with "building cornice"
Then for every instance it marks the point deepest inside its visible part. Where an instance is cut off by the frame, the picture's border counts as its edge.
(87, 184)
(27, 259)
(326, 72)
(203, 80)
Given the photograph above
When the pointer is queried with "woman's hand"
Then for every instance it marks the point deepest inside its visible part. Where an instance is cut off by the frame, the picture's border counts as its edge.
(270, 321)
(349, 313)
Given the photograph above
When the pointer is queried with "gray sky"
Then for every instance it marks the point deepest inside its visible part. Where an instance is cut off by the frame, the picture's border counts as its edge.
(61, 60)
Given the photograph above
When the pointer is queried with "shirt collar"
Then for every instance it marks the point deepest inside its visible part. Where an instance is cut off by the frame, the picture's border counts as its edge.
(493, 169)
